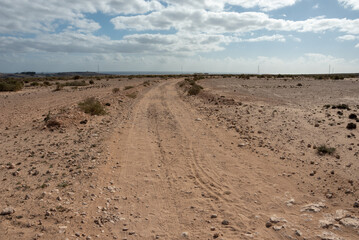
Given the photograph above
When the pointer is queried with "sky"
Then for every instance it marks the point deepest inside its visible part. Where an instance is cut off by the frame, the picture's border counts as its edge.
(226, 36)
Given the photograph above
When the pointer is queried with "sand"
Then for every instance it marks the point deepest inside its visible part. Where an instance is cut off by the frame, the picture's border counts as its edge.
(237, 161)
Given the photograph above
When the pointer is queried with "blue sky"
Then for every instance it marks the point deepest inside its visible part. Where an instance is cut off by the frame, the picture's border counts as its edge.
(234, 36)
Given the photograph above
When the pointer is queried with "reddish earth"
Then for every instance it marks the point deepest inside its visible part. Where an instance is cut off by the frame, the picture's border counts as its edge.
(238, 161)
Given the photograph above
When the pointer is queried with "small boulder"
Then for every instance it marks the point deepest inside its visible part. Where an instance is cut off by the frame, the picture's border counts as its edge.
(7, 211)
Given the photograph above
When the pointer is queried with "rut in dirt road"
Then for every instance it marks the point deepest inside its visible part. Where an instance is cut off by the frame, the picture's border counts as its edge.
(182, 176)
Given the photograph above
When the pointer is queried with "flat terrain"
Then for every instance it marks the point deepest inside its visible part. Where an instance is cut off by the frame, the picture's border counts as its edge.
(238, 161)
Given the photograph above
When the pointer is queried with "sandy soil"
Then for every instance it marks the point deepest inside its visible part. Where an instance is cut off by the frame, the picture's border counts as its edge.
(238, 161)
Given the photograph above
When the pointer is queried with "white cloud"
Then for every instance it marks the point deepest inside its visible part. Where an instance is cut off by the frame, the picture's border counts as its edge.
(23, 16)
(273, 38)
(354, 4)
(347, 38)
(265, 5)
(229, 22)
(316, 6)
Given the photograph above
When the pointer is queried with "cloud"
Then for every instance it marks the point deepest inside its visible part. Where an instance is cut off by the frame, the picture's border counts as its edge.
(347, 38)
(273, 38)
(229, 22)
(23, 16)
(353, 4)
(264, 5)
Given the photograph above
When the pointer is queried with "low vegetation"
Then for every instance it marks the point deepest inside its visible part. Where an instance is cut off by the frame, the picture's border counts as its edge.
(92, 106)
(115, 90)
(128, 87)
(195, 89)
(11, 86)
(323, 149)
(132, 95)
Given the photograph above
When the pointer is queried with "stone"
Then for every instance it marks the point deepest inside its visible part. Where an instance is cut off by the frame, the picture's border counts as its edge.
(313, 207)
(298, 233)
(7, 211)
(326, 223)
(277, 228)
(351, 126)
(214, 216)
(225, 222)
(268, 224)
(350, 222)
(356, 204)
(329, 236)
(185, 234)
(275, 219)
(339, 214)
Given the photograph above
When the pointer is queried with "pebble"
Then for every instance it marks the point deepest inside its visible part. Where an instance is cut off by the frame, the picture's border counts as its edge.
(313, 207)
(225, 222)
(7, 211)
(185, 234)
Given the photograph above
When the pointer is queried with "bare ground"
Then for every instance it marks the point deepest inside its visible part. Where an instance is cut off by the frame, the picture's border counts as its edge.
(239, 161)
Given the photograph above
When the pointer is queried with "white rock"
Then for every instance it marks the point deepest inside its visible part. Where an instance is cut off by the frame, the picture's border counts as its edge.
(350, 222)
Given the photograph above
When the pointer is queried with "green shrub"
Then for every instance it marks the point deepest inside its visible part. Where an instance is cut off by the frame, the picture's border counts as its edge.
(132, 95)
(323, 149)
(92, 106)
(11, 86)
(115, 90)
(76, 83)
(195, 89)
(59, 87)
(34, 84)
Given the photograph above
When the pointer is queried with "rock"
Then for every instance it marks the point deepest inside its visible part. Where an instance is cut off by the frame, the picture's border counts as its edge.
(275, 219)
(277, 228)
(185, 234)
(313, 207)
(298, 233)
(198, 119)
(329, 236)
(83, 121)
(225, 222)
(353, 116)
(268, 224)
(356, 204)
(326, 223)
(290, 202)
(7, 211)
(350, 222)
(351, 126)
(214, 216)
(339, 214)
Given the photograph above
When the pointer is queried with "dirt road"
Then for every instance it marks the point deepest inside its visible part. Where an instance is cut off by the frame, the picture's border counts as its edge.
(162, 165)
(182, 177)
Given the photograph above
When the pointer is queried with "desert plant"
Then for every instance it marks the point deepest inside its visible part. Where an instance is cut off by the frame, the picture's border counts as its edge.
(76, 77)
(132, 95)
(92, 106)
(323, 149)
(76, 83)
(59, 87)
(11, 86)
(128, 87)
(195, 89)
(115, 90)
(91, 82)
